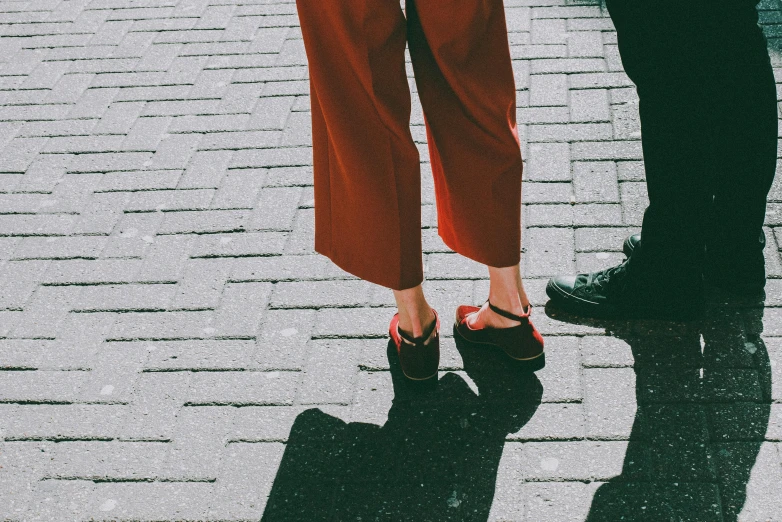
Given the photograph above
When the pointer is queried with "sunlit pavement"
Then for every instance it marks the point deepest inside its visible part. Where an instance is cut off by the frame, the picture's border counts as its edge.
(164, 320)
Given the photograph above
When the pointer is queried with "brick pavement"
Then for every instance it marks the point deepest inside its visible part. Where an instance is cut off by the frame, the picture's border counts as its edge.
(166, 329)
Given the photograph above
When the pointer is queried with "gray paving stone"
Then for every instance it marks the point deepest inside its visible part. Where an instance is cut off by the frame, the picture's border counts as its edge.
(554, 421)
(554, 501)
(607, 150)
(201, 283)
(239, 189)
(198, 436)
(548, 252)
(569, 132)
(567, 65)
(549, 162)
(58, 498)
(174, 151)
(157, 400)
(132, 236)
(330, 372)
(243, 244)
(357, 322)
(163, 325)
(599, 80)
(548, 31)
(585, 44)
(206, 171)
(593, 214)
(610, 402)
(569, 461)
(451, 266)
(46, 309)
(286, 268)
(595, 181)
(40, 386)
(149, 501)
(282, 157)
(276, 209)
(203, 221)
(239, 498)
(320, 294)
(146, 133)
(19, 281)
(548, 89)
(546, 192)
(761, 502)
(605, 352)
(282, 332)
(549, 215)
(242, 388)
(96, 460)
(271, 113)
(64, 421)
(563, 380)
(627, 124)
(153, 200)
(165, 259)
(241, 307)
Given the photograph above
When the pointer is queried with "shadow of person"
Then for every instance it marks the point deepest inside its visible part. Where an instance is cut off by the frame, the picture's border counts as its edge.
(435, 458)
(703, 393)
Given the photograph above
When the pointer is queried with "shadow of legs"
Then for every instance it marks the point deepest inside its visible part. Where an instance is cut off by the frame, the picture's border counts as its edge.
(436, 457)
(703, 392)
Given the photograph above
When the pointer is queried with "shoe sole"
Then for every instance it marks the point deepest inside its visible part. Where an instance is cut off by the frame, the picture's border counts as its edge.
(576, 306)
(531, 361)
(420, 378)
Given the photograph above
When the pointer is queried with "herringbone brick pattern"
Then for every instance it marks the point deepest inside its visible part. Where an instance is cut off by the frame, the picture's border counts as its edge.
(164, 319)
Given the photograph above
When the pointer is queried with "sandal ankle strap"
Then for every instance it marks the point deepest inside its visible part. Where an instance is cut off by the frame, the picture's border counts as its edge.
(508, 315)
(419, 340)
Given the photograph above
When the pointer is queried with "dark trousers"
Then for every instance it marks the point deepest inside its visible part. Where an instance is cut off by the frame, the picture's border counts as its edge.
(709, 135)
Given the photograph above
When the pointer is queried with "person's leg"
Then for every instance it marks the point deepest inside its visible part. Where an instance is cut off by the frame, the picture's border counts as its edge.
(506, 291)
(708, 110)
(415, 314)
(675, 54)
(366, 165)
(663, 46)
(746, 154)
(462, 66)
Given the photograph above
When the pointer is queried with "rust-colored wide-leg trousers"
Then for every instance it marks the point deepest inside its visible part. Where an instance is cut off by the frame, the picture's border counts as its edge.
(367, 173)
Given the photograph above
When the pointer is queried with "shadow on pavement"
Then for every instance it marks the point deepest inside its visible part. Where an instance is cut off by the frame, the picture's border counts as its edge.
(436, 457)
(703, 392)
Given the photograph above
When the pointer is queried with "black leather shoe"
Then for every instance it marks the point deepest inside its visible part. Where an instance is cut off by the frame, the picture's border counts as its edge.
(617, 293)
(630, 244)
(749, 281)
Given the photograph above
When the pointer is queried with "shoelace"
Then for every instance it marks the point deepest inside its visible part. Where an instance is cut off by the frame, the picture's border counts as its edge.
(603, 278)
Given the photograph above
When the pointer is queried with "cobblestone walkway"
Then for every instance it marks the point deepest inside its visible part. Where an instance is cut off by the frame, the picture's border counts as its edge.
(164, 321)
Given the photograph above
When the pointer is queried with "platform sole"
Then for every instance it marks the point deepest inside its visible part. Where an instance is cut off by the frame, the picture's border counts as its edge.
(532, 363)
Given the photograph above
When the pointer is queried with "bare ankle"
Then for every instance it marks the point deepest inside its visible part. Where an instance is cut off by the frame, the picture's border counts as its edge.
(415, 314)
(506, 289)
(418, 321)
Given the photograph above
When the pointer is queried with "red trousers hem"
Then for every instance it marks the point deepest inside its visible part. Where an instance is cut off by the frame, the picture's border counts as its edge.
(366, 164)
